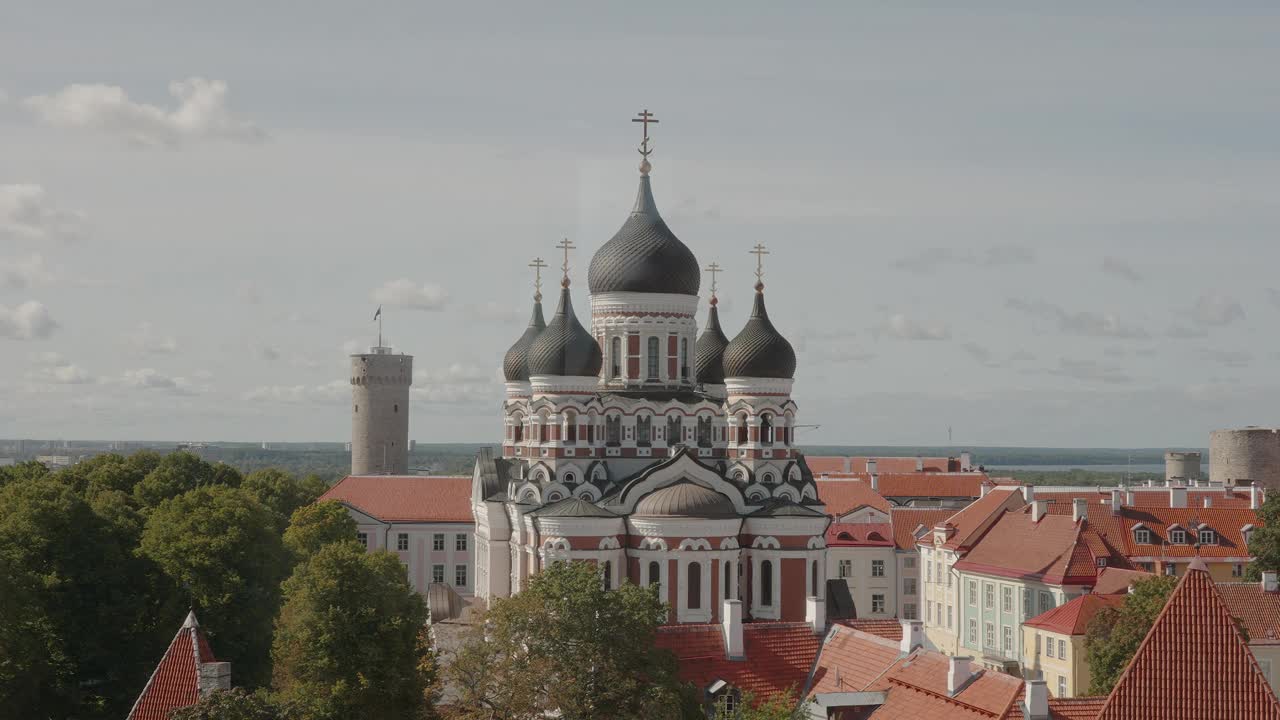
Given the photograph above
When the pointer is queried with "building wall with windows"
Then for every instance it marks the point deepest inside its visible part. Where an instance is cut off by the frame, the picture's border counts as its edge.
(870, 573)
(939, 593)
(1058, 659)
(431, 552)
(993, 609)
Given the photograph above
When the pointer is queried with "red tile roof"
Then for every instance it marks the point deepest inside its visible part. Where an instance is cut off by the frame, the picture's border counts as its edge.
(887, 628)
(778, 655)
(975, 519)
(1072, 618)
(838, 464)
(1257, 611)
(1113, 580)
(1192, 664)
(406, 498)
(1077, 708)
(1118, 530)
(176, 681)
(921, 485)
(1055, 550)
(859, 535)
(906, 520)
(851, 660)
(841, 496)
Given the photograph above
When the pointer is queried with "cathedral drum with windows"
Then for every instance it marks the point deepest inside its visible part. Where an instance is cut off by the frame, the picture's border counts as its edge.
(660, 455)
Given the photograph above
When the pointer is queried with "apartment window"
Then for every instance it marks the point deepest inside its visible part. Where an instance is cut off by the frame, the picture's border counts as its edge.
(1062, 686)
(877, 603)
(909, 586)
(845, 569)
(1237, 570)
(684, 358)
(877, 568)
(928, 610)
(766, 583)
(704, 432)
(675, 429)
(1102, 562)
(644, 431)
(1037, 644)
(1178, 537)
(402, 542)
(460, 576)
(909, 562)
(1046, 601)
(988, 596)
(1006, 599)
(1028, 603)
(950, 614)
(437, 542)
(727, 705)
(1007, 640)
(928, 572)
(693, 586)
(1048, 647)
(1207, 538)
(937, 571)
(948, 581)
(937, 614)
(615, 358)
(1171, 570)
(1062, 649)
(973, 632)
(653, 359)
(909, 611)
(613, 431)
(363, 539)
(460, 541)
(990, 635)
(1142, 536)
(973, 593)
(437, 573)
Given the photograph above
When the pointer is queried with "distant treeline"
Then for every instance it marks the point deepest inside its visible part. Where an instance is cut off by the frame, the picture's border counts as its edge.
(1081, 457)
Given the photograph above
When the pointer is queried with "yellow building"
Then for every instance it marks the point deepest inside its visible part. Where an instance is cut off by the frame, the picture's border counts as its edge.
(1053, 644)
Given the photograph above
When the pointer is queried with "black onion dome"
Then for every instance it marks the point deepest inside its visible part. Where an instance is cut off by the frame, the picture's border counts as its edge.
(759, 350)
(644, 255)
(564, 347)
(515, 366)
(709, 355)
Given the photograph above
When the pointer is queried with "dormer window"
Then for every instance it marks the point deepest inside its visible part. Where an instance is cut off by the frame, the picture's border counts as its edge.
(1246, 532)
(1142, 536)
(1208, 537)
(1178, 536)
(1102, 562)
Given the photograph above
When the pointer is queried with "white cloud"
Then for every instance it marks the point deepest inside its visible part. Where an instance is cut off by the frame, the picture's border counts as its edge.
(1121, 269)
(147, 340)
(931, 259)
(1090, 324)
(1216, 310)
(29, 321)
(26, 213)
(1091, 371)
(54, 369)
(498, 313)
(406, 294)
(201, 114)
(328, 393)
(22, 273)
(150, 379)
(458, 384)
(904, 328)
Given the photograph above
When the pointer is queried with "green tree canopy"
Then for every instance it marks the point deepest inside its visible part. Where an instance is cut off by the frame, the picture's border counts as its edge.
(351, 640)
(1264, 543)
(22, 471)
(314, 526)
(283, 493)
(221, 547)
(565, 644)
(180, 472)
(1114, 634)
(234, 704)
(780, 706)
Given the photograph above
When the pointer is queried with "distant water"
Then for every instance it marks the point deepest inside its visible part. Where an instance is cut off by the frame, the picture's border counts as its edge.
(1120, 469)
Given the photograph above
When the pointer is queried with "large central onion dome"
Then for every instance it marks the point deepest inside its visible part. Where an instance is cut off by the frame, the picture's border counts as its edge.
(709, 355)
(759, 350)
(565, 347)
(644, 255)
(515, 366)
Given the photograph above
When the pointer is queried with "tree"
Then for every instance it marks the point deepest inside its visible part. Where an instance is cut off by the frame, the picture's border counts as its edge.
(233, 704)
(180, 472)
(1264, 543)
(350, 641)
(28, 470)
(780, 706)
(33, 661)
(221, 546)
(314, 526)
(1114, 634)
(282, 492)
(589, 653)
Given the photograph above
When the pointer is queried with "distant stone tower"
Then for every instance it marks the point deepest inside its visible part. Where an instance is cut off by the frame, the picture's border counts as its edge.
(380, 383)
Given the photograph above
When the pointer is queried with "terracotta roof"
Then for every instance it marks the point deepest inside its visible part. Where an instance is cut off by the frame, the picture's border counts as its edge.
(1113, 580)
(1118, 529)
(176, 681)
(851, 660)
(1257, 611)
(921, 485)
(887, 628)
(778, 655)
(972, 521)
(859, 535)
(839, 464)
(406, 498)
(841, 496)
(1056, 550)
(1072, 618)
(1193, 663)
(1077, 708)
(906, 520)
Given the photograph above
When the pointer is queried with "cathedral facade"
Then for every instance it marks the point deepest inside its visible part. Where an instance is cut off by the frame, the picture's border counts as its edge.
(660, 454)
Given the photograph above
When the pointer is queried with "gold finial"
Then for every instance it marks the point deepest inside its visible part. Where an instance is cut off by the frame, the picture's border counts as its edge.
(714, 269)
(759, 252)
(645, 117)
(566, 245)
(537, 266)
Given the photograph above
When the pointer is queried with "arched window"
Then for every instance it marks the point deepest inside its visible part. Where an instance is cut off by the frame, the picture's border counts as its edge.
(570, 478)
(766, 430)
(644, 431)
(742, 429)
(675, 429)
(542, 428)
(693, 585)
(684, 358)
(768, 478)
(766, 583)
(813, 584)
(553, 497)
(615, 358)
(570, 427)
(655, 575)
(613, 431)
(728, 580)
(517, 430)
(704, 431)
(652, 359)
(608, 574)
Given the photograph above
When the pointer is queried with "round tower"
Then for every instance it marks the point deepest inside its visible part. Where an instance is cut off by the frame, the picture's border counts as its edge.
(1183, 466)
(380, 381)
(1240, 455)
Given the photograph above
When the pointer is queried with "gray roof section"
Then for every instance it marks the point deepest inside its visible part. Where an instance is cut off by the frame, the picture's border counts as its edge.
(709, 352)
(759, 350)
(782, 507)
(644, 255)
(572, 507)
(515, 366)
(565, 347)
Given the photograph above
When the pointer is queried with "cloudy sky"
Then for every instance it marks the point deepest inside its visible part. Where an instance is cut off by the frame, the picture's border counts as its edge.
(1036, 228)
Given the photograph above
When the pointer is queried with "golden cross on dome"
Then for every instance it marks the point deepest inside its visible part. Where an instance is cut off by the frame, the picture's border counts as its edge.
(566, 245)
(759, 252)
(714, 269)
(537, 266)
(645, 117)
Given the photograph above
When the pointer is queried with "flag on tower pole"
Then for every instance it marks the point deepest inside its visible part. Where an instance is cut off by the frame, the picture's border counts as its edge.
(378, 314)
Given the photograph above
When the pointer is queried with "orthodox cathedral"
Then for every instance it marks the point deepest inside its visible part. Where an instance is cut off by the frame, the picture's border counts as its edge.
(663, 455)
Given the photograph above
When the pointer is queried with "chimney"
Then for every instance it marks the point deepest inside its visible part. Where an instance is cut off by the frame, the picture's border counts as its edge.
(912, 636)
(1129, 497)
(732, 626)
(871, 466)
(1177, 496)
(815, 613)
(1208, 501)
(983, 488)
(214, 676)
(1035, 701)
(1029, 493)
(919, 464)
(1039, 509)
(1117, 499)
(966, 461)
(1079, 509)
(875, 482)
(1255, 496)
(1270, 581)
(958, 672)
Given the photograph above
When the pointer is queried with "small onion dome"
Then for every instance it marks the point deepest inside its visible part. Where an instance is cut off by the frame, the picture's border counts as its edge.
(564, 347)
(515, 366)
(709, 355)
(686, 499)
(759, 350)
(644, 255)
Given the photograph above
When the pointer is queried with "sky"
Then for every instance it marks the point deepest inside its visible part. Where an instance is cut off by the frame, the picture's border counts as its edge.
(1048, 226)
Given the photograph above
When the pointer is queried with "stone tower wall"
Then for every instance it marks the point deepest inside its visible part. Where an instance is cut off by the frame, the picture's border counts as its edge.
(1238, 456)
(1182, 465)
(380, 413)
